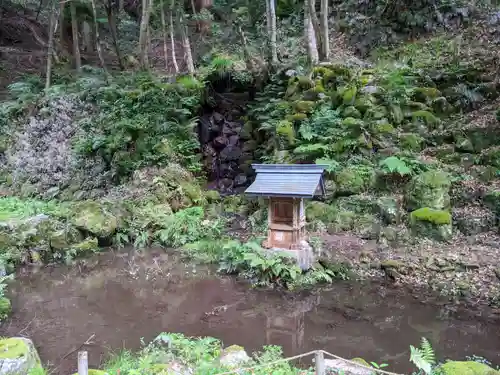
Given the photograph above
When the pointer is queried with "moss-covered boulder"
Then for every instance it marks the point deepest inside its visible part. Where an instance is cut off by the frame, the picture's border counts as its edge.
(354, 180)
(319, 211)
(429, 189)
(431, 223)
(491, 156)
(367, 226)
(95, 218)
(466, 368)
(343, 221)
(5, 308)
(63, 238)
(359, 204)
(388, 210)
(234, 356)
(18, 356)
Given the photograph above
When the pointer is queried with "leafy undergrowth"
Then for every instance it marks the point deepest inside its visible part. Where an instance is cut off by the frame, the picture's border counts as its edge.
(262, 267)
(176, 351)
(16, 208)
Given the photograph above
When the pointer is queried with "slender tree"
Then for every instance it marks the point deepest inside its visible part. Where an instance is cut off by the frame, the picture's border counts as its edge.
(164, 32)
(50, 48)
(186, 44)
(172, 36)
(112, 12)
(310, 36)
(97, 38)
(143, 33)
(74, 30)
(273, 38)
(325, 40)
(316, 26)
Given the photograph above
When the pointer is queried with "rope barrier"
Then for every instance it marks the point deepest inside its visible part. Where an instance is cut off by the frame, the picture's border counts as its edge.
(372, 369)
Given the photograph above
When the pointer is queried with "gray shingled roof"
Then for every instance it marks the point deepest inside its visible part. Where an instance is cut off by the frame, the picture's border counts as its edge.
(288, 180)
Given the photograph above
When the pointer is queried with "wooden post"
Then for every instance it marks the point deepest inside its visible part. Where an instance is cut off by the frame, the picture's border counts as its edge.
(83, 363)
(319, 360)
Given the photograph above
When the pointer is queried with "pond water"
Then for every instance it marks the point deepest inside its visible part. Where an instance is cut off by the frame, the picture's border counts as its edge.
(113, 300)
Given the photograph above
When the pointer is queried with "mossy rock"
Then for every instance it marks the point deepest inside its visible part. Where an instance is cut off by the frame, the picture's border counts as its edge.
(296, 117)
(364, 102)
(367, 226)
(95, 218)
(304, 106)
(431, 223)
(351, 111)
(463, 144)
(411, 141)
(382, 127)
(426, 117)
(5, 308)
(18, 356)
(96, 372)
(429, 189)
(64, 238)
(213, 195)
(466, 368)
(86, 246)
(388, 209)
(354, 180)
(319, 211)
(426, 93)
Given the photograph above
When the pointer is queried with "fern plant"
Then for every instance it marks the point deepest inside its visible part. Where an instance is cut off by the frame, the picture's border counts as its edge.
(394, 165)
(424, 357)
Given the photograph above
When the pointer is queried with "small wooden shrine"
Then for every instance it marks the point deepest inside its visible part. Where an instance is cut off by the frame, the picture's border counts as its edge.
(286, 186)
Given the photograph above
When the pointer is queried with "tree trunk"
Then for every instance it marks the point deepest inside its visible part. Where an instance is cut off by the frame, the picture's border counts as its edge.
(97, 39)
(63, 37)
(114, 35)
(274, 46)
(312, 49)
(87, 37)
(269, 31)
(186, 44)
(172, 37)
(246, 50)
(74, 30)
(50, 48)
(143, 34)
(164, 31)
(316, 26)
(325, 40)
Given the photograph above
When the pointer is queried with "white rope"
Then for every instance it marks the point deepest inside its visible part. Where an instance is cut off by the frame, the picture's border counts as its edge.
(236, 371)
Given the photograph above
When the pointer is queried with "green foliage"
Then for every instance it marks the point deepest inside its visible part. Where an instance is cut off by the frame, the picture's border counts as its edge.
(393, 164)
(134, 115)
(423, 357)
(188, 225)
(16, 208)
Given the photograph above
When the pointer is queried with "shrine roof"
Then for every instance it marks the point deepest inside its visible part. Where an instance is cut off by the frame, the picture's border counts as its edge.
(288, 180)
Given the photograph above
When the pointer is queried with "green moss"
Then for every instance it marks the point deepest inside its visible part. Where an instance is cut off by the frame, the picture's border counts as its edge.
(303, 106)
(392, 263)
(429, 189)
(12, 348)
(349, 95)
(361, 361)
(319, 211)
(466, 368)
(291, 90)
(296, 117)
(212, 196)
(425, 116)
(233, 349)
(364, 103)
(424, 93)
(285, 129)
(86, 246)
(354, 180)
(383, 127)
(350, 122)
(94, 218)
(305, 82)
(5, 308)
(351, 111)
(438, 217)
(411, 141)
